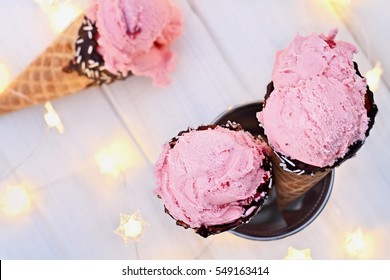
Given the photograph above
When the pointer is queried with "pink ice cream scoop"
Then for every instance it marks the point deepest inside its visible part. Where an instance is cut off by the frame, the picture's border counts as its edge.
(317, 108)
(135, 36)
(212, 177)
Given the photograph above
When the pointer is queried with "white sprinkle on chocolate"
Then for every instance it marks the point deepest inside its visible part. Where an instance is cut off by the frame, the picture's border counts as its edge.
(90, 35)
(290, 162)
(233, 125)
(80, 41)
(284, 167)
(278, 156)
(300, 173)
(83, 65)
(87, 28)
(88, 72)
(93, 65)
(297, 171)
(90, 49)
(78, 51)
(78, 60)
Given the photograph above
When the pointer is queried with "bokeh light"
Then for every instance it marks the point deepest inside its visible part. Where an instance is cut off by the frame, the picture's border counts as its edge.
(17, 199)
(131, 227)
(114, 159)
(4, 77)
(294, 254)
(373, 77)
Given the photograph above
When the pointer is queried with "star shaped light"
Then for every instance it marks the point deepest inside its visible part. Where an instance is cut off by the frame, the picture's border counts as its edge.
(131, 227)
(294, 254)
(60, 12)
(355, 243)
(52, 118)
(16, 200)
(373, 77)
(116, 158)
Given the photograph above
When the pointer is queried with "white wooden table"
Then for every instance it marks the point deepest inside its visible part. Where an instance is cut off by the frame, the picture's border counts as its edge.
(225, 58)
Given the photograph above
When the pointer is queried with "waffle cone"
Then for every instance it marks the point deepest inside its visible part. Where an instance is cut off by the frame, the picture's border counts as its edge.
(45, 79)
(289, 185)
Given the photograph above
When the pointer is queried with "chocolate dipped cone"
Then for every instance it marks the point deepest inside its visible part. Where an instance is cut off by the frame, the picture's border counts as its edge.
(292, 178)
(319, 113)
(291, 184)
(45, 79)
(74, 61)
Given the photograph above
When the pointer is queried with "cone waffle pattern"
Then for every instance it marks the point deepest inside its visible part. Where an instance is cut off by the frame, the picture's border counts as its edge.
(289, 185)
(44, 79)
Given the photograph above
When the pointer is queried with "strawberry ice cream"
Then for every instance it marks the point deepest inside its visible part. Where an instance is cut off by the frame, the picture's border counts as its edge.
(317, 108)
(135, 36)
(212, 176)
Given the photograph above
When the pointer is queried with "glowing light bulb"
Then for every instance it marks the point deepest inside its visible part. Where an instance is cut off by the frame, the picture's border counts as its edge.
(47, 4)
(115, 159)
(16, 200)
(62, 14)
(294, 254)
(4, 77)
(131, 227)
(52, 118)
(341, 8)
(373, 76)
(355, 243)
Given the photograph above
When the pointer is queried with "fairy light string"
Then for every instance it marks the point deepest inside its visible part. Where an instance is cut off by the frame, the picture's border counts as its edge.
(18, 198)
(294, 254)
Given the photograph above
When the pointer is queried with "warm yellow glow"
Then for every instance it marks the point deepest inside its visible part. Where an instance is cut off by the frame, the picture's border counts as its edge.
(47, 4)
(373, 76)
(4, 77)
(343, 2)
(115, 159)
(131, 227)
(341, 8)
(355, 243)
(340, 2)
(52, 118)
(62, 14)
(294, 254)
(362, 244)
(16, 200)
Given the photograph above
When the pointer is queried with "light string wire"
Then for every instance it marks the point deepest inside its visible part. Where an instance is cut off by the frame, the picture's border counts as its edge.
(35, 149)
(27, 157)
(127, 198)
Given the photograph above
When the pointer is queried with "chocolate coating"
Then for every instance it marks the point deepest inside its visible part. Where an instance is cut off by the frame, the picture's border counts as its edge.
(88, 61)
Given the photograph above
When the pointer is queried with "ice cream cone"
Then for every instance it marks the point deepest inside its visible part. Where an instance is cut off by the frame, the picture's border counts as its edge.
(290, 185)
(87, 53)
(45, 79)
(314, 115)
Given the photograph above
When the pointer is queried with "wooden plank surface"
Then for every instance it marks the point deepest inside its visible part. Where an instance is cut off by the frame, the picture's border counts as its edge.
(367, 22)
(225, 57)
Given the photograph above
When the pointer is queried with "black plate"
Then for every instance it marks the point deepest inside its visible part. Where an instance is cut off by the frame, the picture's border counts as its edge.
(270, 223)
